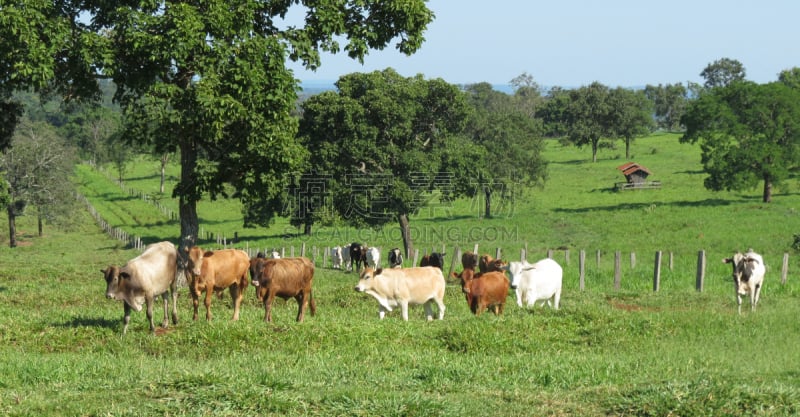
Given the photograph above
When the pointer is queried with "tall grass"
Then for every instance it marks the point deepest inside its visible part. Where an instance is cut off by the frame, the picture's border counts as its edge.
(605, 352)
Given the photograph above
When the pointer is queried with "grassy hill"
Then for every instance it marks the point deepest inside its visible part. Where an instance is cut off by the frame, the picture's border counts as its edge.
(630, 351)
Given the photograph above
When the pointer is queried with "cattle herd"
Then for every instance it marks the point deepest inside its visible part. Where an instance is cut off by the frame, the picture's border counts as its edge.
(156, 271)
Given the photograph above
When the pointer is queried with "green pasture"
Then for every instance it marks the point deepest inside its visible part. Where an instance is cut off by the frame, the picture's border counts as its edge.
(630, 351)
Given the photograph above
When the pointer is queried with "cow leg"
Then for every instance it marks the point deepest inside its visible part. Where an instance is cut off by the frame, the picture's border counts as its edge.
(556, 299)
(207, 302)
(195, 303)
(381, 311)
(165, 298)
(440, 305)
(754, 297)
(268, 307)
(739, 302)
(428, 311)
(150, 300)
(173, 292)
(236, 297)
(312, 303)
(519, 297)
(126, 318)
(302, 302)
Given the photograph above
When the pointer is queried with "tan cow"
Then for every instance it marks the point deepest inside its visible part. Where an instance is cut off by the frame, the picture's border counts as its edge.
(401, 287)
(214, 271)
(285, 278)
(144, 278)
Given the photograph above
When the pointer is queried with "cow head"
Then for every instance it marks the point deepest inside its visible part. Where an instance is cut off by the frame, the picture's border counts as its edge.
(366, 279)
(194, 261)
(112, 277)
(466, 276)
(516, 269)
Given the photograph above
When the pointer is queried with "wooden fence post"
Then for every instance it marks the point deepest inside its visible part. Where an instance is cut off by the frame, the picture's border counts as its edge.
(566, 256)
(617, 272)
(522, 255)
(549, 254)
(497, 253)
(598, 259)
(456, 255)
(633, 260)
(671, 260)
(475, 250)
(785, 268)
(657, 272)
(701, 270)
(582, 268)
(416, 257)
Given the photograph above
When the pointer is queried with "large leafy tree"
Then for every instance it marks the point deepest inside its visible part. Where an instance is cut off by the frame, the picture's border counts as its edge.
(588, 116)
(669, 104)
(631, 115)
(209, 79)
(378, 142)
(504, 150)
(723, 72)
(749, 133)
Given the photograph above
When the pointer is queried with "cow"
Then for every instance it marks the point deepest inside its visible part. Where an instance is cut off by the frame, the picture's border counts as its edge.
(274, 254)
(395, 258)
(469, 260)
(540, 281)
(285, 278)
(483, 291)
(336, 257)
(404, 286)
(435, 259)
(214, 271)
(144, 278)
(358, 255)
(373, 258)
(748, 276)
(346, 261)
(489, 264)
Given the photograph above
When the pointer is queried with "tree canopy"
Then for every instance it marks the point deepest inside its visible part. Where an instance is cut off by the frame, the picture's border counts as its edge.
(748, 133)
(378, 142)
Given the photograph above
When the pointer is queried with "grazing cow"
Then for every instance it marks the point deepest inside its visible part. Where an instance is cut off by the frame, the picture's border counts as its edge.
(748, 276)
(144, 278)
(395, 258)
(214, 271)
(285, 278)
(373, 258)
(404, 286)
(348, 264)
(336, 257)
(540, 281)
(274, 254)
(358, 255)
(483, 291)
(489, 264)
(434, 259)
(469, 260)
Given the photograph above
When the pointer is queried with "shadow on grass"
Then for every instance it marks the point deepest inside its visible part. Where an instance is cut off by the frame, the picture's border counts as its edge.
(82, 321)
(711, 202)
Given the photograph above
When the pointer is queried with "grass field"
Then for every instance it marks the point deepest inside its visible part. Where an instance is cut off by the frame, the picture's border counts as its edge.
(605, 352)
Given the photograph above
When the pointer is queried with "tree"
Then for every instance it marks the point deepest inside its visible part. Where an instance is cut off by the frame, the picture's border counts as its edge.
(527, 94)
(669, 104)
(209, 80)
(507, 140)
(723, 72)
(790, 77)
(38, 166)
(748, 133)
(378, 141)
(631, 115)
(553, 112)
(588, 116)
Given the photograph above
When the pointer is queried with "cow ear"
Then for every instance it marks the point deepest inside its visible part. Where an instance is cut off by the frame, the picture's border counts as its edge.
(727, 260)
(378, 271)
(125, 275)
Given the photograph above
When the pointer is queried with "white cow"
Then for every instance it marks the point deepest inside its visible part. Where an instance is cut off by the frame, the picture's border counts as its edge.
(373, 257)
(274, 254)
(540, 281)
(748, 276)
(348, 264)
(144, 278)
(404, 286)
(336, 257)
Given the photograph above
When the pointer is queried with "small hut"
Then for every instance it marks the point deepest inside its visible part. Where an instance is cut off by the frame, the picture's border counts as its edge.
(636, 176)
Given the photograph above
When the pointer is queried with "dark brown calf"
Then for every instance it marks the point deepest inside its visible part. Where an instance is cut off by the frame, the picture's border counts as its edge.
(285, 278)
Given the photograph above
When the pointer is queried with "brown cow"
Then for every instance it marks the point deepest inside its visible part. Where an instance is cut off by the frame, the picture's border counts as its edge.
(484, 290)
(434, 259)
(213, 271)
(489, 264)
(285, 278)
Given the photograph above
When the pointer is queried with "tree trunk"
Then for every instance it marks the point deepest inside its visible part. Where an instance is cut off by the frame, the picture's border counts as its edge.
(487, 202)
(405, 232)
(307, 229)
(12, 227)
(188, 196)
(627, 148)
(595, 143)
(767, 198)
(40, 224)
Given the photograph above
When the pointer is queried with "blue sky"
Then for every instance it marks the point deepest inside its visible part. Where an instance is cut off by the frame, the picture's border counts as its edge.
(571, 43)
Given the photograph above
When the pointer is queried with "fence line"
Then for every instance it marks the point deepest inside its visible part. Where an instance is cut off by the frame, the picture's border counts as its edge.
(114, 232)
